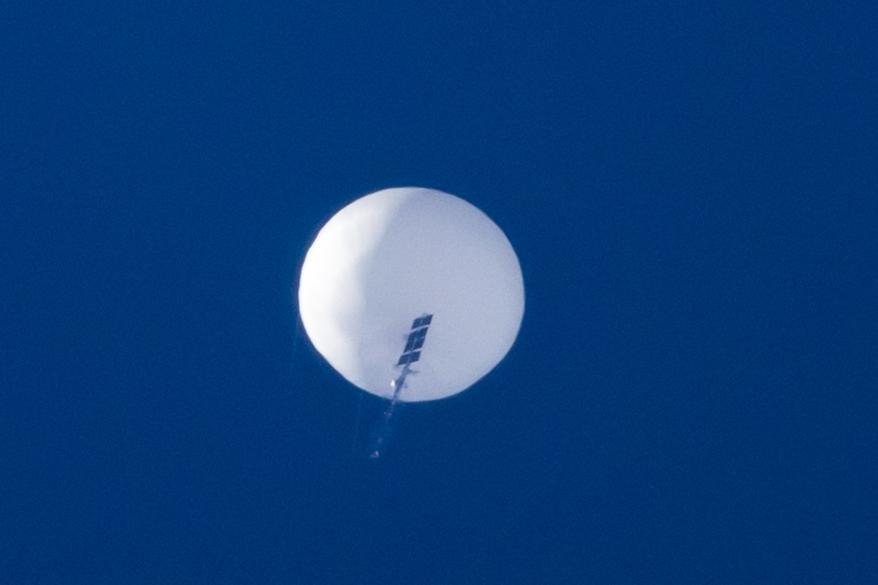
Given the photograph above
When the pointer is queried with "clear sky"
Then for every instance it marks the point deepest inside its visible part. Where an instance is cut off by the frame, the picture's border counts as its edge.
(690, 187)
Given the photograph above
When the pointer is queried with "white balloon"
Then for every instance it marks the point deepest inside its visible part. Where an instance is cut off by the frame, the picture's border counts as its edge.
(394, 255)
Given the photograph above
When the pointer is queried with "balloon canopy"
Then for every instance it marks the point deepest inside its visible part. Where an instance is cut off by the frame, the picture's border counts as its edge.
(396, 255)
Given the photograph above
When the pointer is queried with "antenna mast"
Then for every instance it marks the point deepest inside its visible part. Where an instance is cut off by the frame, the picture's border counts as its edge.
(410, 354)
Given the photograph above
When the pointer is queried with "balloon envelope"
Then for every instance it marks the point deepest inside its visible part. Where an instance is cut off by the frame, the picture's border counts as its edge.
(394, 255)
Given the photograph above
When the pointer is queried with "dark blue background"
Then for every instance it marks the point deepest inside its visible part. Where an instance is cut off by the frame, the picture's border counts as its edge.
(691, 190)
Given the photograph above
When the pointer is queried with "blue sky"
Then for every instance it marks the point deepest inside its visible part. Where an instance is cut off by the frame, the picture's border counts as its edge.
(691, 192)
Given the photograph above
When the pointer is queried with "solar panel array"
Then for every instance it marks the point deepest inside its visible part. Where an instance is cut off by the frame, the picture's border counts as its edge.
(415, 340)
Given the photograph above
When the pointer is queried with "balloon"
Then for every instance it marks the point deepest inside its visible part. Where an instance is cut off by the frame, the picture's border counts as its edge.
(399, 254)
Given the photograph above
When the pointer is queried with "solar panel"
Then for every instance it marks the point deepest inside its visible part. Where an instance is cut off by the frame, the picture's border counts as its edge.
(416, 339)
(409, 358)
(422, 321)
(419, 338)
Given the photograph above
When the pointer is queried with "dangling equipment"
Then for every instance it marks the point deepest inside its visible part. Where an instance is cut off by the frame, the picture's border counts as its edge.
(410, 354)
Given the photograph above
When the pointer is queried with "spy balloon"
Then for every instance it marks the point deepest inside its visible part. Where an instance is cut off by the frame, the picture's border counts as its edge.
(411, 294)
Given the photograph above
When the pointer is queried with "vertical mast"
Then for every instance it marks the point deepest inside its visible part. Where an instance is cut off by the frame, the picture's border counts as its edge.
(410, 354)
